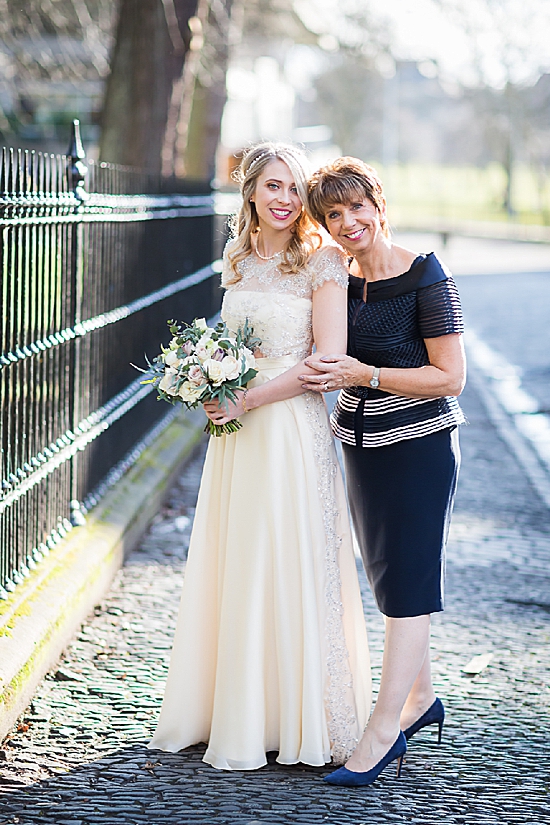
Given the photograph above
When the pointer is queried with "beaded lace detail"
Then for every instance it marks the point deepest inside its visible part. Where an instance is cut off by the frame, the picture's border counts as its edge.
(342, 719)
(326, 264)
(264, 276)
(278, 305)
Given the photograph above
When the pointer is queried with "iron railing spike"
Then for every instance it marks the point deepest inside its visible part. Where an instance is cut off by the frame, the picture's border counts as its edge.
(77, 169)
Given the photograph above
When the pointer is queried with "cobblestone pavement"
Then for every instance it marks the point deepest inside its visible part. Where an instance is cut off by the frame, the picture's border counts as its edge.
(517, 324)
(78, 754)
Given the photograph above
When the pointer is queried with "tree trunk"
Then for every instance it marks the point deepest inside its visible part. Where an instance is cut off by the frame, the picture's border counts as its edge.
(223, 27)
(144, 95)
(513, 119)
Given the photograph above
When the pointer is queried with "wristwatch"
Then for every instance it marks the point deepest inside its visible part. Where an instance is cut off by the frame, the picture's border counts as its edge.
(375, 380)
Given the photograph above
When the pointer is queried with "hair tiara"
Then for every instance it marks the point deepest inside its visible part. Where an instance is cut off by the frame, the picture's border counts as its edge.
(261, 157)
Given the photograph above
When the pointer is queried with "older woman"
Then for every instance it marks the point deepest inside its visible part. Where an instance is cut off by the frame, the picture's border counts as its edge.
(397, 417)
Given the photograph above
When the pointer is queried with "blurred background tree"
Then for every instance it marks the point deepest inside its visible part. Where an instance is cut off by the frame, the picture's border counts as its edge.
(509, 96)
(181, 86)
(166, 89)
(54, 58)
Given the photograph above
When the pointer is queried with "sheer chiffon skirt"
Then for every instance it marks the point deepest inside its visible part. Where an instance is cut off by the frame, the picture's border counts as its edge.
(270, 651)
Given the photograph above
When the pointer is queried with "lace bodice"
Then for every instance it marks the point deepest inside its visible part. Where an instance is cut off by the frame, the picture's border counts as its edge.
(279, 306)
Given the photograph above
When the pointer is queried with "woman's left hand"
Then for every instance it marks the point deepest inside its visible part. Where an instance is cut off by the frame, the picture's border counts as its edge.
(334, 373)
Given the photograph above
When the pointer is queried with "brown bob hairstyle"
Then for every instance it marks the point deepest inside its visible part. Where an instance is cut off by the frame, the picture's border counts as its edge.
(345, 180)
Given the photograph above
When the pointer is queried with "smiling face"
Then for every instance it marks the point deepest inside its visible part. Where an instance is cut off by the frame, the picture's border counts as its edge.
(347, 198)
(276, 198)
(356, 225)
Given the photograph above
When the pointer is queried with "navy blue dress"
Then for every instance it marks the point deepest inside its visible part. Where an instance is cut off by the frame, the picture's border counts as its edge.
(401, 455)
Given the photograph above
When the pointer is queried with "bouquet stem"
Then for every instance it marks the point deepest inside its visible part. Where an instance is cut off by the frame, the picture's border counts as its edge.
(222, 429)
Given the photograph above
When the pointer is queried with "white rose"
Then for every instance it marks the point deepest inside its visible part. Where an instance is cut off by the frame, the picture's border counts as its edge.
(167, 382)
(250, 361)
(195, 376)
(207, 342)
(171, 358)
(214, 371)
(200, 323)
(202, 354)
(188, 392)
(231, 367)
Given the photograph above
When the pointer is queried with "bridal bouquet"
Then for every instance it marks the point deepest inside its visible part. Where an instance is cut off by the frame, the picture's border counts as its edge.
(204, 363)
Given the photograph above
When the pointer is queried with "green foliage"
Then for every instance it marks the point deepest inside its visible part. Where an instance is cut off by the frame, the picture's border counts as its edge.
(197, 364)
(417, 192)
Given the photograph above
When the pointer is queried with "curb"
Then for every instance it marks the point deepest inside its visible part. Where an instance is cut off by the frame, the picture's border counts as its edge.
(513, 411)
(42, 615)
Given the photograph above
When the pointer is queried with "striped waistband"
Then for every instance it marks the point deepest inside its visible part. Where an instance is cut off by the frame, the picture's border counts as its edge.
(377, 422)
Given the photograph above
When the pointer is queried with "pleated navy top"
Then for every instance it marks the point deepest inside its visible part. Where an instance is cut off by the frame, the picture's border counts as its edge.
(388, 330)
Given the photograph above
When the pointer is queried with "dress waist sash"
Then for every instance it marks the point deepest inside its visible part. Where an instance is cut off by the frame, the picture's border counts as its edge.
(283, 362)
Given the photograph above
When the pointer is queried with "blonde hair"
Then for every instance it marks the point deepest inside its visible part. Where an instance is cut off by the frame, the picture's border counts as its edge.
(344, 181)
(305, 239)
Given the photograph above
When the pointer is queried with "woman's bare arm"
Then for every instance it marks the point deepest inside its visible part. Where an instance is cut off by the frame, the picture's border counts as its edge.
(444, 375)
(329, 318)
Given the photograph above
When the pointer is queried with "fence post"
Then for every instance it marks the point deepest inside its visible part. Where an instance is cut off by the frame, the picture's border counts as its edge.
(76, 175)
(77, 169)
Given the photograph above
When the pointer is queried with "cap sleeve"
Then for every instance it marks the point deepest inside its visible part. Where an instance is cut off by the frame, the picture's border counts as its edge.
(439, 309)
(329, 264)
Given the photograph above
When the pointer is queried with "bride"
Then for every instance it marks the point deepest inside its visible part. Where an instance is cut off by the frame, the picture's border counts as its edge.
(270, 651)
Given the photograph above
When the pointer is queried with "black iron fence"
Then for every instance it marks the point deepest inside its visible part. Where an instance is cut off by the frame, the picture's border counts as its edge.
(93, 262)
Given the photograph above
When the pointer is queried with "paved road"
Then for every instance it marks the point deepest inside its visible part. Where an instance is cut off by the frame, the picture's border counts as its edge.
(78, 756)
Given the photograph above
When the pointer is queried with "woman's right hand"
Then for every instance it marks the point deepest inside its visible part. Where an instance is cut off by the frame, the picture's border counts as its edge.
(335, 372)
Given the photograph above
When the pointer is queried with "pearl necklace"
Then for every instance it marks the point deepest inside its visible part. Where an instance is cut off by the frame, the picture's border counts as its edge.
(268, 257)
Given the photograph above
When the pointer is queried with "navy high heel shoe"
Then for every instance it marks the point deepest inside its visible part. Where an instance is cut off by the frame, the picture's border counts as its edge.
(353, 779)
(434, 714)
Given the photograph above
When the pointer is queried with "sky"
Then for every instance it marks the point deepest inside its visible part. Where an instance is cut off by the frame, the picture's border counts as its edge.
(491, 40)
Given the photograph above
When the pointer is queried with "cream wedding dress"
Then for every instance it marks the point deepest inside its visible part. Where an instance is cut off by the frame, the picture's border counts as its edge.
(270, 651)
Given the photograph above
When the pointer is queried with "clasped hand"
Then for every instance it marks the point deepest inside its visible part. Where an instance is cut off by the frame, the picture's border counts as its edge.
(334, 373)
(222, 413)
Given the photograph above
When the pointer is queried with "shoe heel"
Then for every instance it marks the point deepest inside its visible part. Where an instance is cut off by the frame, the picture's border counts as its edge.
(435, 715)
(399, 765)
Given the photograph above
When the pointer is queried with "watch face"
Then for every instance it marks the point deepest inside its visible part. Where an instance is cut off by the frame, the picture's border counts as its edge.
(374, 382)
